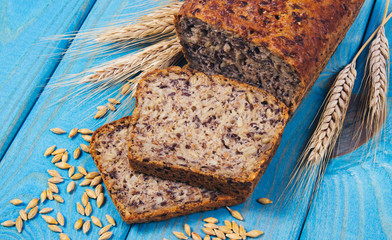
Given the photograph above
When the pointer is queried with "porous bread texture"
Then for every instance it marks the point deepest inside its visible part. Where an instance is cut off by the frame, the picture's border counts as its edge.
(141, 198)
(281, 46)
(204, 130)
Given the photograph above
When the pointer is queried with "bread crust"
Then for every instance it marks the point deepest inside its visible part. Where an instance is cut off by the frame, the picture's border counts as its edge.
(303, 34)
(242, 186)
(155, 215)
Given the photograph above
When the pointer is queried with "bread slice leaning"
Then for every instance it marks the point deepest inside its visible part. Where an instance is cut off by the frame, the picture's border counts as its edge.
(206, 131)
(138, 197)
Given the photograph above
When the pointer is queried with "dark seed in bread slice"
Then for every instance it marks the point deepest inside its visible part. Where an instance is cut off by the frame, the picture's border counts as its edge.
(142, 198)
(206, 131)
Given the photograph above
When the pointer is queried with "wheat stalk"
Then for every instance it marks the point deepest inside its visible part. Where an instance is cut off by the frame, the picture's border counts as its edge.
(157, 24)
(377, 83)
(160, 55)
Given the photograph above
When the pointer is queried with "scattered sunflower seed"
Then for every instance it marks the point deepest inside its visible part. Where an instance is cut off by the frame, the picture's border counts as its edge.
(23, 215)
(71, 186)
(110, 220)
(111, 107)
(8, 223)
(100, 200)
(92, 175)
(104, 229)
(60, 219)
(16, 201)
(19, 224)
(91, 193)
(180, 235)
(59, 151)
(210, 220)
(86, 226)
(187, 229)
(77, 176)
(85, 148)
(96, 221)
(32, 212)
(88, 209)
(43, 196)
(76, 153)
(32, 203)
(235, 214)
(85, 131)
(264, 201)
(254, 233)
(54, 173)
(57, 130)
(49, 150)
(114, 101)
(58, 198)
(73, 133)
(64, 236)
(105, 236)
(55, 228)
(49, 194)
(87, 138)
(46, 210)
(78, 224)
(71, 171)
(62, 165)
(55, 180)
(80, 208)
(53, 187)
(49, 219)
(196, 236)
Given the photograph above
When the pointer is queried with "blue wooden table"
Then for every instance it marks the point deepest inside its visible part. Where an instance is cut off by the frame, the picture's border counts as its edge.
(353, 201)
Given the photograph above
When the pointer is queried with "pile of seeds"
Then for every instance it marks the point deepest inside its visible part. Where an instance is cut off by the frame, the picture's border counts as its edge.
(230, 230)
(102, 110)
(87, 179)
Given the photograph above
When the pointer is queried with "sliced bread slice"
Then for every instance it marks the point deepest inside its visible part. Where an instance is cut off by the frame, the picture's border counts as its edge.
(206, 131)
(141, 198)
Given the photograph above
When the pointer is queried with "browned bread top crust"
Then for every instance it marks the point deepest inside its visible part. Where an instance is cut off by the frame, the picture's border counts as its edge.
(303, 33)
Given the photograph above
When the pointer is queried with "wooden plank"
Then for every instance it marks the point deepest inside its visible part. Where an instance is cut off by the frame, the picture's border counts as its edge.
(26, 60)
(23, 168)
(281, 221)
(355, 197)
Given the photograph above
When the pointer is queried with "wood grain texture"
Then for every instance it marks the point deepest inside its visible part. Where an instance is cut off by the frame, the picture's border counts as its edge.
(23, 175)
(354, 200)
(23, 169)
(26, 59)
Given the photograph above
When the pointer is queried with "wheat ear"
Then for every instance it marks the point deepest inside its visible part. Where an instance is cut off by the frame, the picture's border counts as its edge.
(157, 24)
(377, 83)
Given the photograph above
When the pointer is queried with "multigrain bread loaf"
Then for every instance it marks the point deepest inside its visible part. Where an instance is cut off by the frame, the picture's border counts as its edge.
(204, 130)
(141, 198)
(280, 45)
